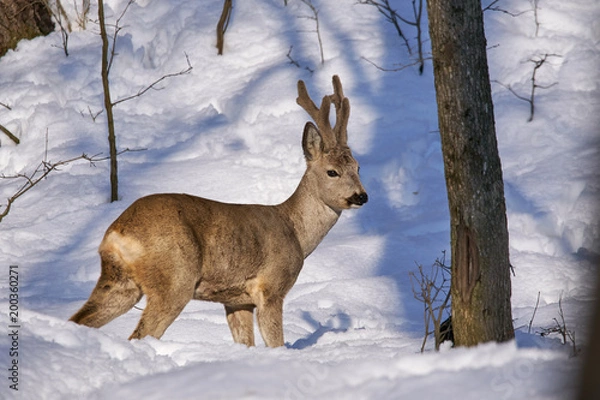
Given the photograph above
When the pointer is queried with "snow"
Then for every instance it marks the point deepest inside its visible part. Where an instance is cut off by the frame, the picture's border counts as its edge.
(231, 130)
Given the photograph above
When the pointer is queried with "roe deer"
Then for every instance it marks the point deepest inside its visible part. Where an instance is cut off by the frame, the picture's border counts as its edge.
(178, 247)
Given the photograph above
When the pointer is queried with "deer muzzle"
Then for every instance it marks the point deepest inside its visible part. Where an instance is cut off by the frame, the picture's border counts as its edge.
(358, 199)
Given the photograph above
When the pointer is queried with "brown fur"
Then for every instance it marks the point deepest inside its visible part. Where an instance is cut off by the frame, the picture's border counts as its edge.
(176, 247)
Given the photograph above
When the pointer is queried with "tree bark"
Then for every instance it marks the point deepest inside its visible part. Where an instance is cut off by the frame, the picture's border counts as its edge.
(480, 284)
(589, 384)
(23, 19)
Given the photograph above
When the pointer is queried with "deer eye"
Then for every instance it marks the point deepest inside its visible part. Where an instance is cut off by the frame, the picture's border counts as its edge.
(332, 173)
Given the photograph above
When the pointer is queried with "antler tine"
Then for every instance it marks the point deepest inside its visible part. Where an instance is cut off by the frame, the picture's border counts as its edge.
(338, 92)
(306, 102)
(342, 111)
(319, 115)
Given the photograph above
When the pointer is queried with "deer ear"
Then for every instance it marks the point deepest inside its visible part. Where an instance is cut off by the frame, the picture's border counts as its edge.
(312, 142)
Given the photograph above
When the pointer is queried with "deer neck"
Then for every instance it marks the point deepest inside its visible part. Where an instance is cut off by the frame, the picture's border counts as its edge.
(310, 216)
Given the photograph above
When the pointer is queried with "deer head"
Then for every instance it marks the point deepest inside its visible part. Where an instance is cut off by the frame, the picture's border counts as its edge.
(329, 159)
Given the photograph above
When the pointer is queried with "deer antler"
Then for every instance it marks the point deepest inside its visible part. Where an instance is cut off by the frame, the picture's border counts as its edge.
(339, 133)
(342, 111)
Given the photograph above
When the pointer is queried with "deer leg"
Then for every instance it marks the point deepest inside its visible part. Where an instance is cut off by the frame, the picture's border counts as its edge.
(241, 324)
(269, 315)
(156, 318)
(162, 307)
(113, 296)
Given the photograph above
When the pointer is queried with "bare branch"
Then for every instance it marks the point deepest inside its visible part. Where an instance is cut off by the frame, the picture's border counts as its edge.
(61, 17)
(82, 16)
(426, 288)
(489, 6)
(117, 28)
(390, 15)
(289, 56)
(400, 67)
(223, 24)
(534, 85)
(535, 16)
(129, 3)
(535, 9)
(9, 134)
(492, 7)
(96, 157)
(43, 169)
(296, 63)
(518, 96)
(384, 7)
(567, 335)
(418, 13)
(315, 17)
(141, 92)
(92, 114)
(537, 302)
(5, 130)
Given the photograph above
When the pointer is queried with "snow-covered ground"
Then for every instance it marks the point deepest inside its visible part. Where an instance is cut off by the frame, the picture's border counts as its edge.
(231, 130)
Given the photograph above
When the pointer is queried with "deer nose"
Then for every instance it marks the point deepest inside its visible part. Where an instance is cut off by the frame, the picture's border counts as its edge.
(363, 198)
(358, 199)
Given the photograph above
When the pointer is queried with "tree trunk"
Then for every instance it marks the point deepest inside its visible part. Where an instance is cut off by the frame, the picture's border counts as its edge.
(23, 19)
(480, 283)
(108, 105)
(589, 384)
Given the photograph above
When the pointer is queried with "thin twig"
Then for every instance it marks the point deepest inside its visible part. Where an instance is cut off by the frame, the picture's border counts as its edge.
(527, 99)
(560, 327)
(535, 17)
(384, 7)
(117, 29)
(296, 63)
(492, 7)
(223, 24)
(59, 15)
(156, 82)
(315, 17)
(83, 15)
(400, 67)
(426, 289)
(489, 6)
(43, 169)
(418, 13)
(391, 15)
(566, 333)
(93, 115)
(534, 85)
(9, 134)
(289, 56)
(537, 302)
(32, 180)
(96, 157)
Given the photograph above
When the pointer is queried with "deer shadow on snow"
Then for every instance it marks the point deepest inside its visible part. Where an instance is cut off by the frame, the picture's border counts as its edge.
(338, 323)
